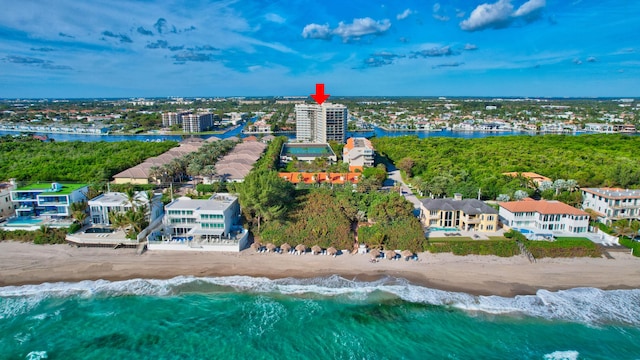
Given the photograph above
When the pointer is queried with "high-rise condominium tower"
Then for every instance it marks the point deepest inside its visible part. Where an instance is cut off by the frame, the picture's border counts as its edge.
(321, 123)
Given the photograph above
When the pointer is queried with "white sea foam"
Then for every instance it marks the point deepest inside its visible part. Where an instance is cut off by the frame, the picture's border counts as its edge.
(562, 355)
(37, 355)
(586, 305)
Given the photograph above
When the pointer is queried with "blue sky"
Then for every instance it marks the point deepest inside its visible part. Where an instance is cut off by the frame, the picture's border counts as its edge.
(144, 48)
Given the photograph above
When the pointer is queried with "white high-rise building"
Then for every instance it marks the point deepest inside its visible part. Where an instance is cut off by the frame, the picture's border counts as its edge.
(321, 123)
(197, 122)
(172, 118)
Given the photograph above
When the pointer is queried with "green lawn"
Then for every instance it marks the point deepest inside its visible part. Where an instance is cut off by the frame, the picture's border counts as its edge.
(503, 248)
(66, 188)
(563, 247)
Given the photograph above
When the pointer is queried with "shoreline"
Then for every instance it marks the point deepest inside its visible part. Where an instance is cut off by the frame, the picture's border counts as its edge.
(26, 264)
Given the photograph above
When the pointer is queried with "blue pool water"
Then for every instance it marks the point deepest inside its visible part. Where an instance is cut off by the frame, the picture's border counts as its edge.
(23, 221)
(442, 229)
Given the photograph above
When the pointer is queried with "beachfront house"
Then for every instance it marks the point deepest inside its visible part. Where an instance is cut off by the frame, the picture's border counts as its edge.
(49, 199)
(543, 217)
(102, 205)
(203, 223)
(612, 204)
(458, 213)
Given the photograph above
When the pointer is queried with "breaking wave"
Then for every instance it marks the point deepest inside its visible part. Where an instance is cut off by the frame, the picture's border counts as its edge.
(584, 305)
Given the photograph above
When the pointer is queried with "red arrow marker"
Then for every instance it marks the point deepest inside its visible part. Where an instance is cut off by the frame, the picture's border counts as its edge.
(320, 96)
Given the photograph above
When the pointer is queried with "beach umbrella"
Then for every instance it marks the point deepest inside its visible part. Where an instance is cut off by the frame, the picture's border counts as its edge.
(332, 251)
(271, 247)
(256, 246)
(374, 253)
(390, 254)
(301, 248)
(407, 254)
(315, 249)
(285, 247)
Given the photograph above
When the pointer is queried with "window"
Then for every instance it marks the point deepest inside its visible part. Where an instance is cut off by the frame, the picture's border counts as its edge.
(490, 218)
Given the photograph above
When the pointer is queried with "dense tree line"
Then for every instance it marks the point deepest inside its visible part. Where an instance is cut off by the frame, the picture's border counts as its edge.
(88, 162)
(443, 166)
(329, 217)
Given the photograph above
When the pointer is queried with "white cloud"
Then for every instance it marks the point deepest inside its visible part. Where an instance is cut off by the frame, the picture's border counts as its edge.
(591, 59)
(530, 9)
(316, 31)
(470, 47)
(361, 27)
(275, 18)
(501, 14)
(436, 7)
(405, 14)
(440, 17)
(485, 16)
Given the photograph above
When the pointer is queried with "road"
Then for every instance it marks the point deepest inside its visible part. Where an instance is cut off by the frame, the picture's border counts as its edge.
(395, 176)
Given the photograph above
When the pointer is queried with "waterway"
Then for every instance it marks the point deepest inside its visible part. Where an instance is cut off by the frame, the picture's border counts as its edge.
(237, 131)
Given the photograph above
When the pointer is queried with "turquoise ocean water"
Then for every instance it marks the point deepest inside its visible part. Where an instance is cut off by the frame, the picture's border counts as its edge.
(321, 318)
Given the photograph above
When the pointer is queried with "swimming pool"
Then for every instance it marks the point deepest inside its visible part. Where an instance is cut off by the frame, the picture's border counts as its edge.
(21, 221)
(442, 229)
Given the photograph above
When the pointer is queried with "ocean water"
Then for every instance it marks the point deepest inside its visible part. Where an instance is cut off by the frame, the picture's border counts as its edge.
(321, 318)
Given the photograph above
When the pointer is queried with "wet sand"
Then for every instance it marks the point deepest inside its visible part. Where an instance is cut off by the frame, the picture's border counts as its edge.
(22, 263)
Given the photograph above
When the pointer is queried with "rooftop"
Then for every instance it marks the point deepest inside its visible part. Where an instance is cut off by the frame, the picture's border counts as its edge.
(65, 189)
(306, 150)
(358, 142)
(217, 202)
(614, 193)
(118, 198)
(541, 207)
(469, 206)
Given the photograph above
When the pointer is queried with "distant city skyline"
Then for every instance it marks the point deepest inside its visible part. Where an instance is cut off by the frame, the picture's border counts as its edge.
(501, 48)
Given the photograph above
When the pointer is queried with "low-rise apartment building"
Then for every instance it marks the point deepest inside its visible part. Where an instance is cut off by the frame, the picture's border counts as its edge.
(358, 153)
(463, 214)
(543, 216)
(612, 204)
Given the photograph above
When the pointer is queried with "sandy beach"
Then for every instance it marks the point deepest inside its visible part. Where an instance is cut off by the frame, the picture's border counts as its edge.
(22, 263)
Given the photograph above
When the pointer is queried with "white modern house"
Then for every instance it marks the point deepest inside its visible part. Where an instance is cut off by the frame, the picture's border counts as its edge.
(102, 205)
(205, 225)
(543, 218)
(612, 204)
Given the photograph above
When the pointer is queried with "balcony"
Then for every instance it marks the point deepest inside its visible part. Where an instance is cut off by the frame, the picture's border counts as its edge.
(471, 219)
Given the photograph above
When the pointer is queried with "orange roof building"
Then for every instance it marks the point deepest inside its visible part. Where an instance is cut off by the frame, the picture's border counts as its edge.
(531, 216)
(320, 177)
(536, 178)
(358, 152)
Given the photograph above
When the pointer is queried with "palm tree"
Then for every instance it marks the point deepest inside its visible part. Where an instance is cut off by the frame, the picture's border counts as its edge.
(117, 220)
(131, 197)
(622, 228)
(635, 227)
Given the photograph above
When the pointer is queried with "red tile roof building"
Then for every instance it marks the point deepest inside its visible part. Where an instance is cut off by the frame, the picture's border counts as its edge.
(543, 215)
